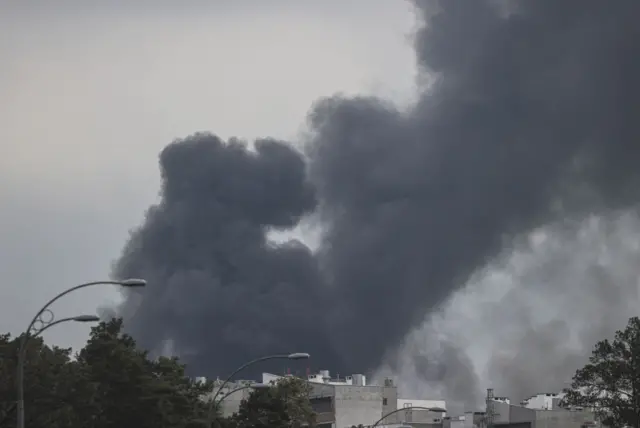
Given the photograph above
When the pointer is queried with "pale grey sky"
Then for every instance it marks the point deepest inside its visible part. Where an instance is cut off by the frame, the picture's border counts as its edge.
(92, 92)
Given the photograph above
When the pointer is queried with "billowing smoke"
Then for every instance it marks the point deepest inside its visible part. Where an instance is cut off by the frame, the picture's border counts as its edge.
(529, 319)
(531, 119)
(219, 289)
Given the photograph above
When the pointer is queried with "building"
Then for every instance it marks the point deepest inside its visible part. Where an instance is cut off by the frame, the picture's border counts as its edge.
(415, 415)
(454, 422)
(343, 403)
(352, 401)
(414, 402)
(468, 420)
(539, 411)
(546, 401)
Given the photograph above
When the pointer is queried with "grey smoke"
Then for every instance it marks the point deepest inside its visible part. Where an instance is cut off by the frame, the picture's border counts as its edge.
(582, 287)
(218, 288)
(532, 118)
(530, 318)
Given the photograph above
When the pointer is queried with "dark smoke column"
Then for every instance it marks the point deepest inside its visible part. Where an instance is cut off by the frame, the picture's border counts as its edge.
(217, 288)
(533, 117)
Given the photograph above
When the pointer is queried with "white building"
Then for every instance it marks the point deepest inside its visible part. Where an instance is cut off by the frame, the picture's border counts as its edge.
(348, 401)
(323, 377)
(505, 400)
(546, 401)
(539, 411)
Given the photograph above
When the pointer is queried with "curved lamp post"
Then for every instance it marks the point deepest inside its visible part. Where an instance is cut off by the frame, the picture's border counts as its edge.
(40, 323)
(293, 356)
(431, 409)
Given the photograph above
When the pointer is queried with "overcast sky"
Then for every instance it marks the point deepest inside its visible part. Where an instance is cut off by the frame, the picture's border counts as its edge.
(92, 92)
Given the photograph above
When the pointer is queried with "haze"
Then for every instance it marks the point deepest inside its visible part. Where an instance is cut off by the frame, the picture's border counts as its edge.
(91, 94)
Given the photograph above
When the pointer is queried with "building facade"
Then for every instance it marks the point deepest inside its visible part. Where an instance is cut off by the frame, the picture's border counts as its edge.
(546, 401)
(540, 413)
(351, 401)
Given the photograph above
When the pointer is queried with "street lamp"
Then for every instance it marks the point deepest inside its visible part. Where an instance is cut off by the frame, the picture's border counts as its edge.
(431, 409)
(79, 318)
(45, 323)
(292, 356)
(24, 340)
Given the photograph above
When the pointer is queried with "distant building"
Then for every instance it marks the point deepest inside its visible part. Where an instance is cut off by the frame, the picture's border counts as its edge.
(349, 401)
(546, 401)
(415, 415)
(454, 422)
(468, 420)
(539, 411)
(429, 404)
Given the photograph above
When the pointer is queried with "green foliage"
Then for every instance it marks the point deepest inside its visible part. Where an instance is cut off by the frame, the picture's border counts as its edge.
(610, 383)
(131, 389)
(110, 384)
(284, 405)
(52, 383)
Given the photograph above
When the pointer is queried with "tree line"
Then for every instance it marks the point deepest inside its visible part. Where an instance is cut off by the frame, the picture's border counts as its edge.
(111, 383)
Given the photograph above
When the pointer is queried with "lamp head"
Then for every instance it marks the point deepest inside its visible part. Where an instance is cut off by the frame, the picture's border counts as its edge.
(298, 356)
(133, 282)
(86, 318)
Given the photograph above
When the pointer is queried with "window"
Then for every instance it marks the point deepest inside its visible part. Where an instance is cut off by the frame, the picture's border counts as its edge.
(384, 401)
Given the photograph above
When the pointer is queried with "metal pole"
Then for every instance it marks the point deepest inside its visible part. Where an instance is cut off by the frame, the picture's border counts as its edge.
(37, 317)
(294, 356)
(244, 366)
(20, 380)
(22, 350)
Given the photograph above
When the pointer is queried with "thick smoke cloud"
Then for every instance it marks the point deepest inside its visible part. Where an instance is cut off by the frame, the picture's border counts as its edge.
(218, 288)
(531, 118)
(544, 96)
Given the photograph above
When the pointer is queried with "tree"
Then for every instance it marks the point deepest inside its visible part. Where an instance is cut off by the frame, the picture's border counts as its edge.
(218, 420)
(8, 357)
(111, 383)
(610, 383)
(133, 390)
(53, 384)
(285, 405)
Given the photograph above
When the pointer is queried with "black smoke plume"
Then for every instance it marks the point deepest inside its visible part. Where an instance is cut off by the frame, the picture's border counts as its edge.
(218, 287)
(532, 116)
